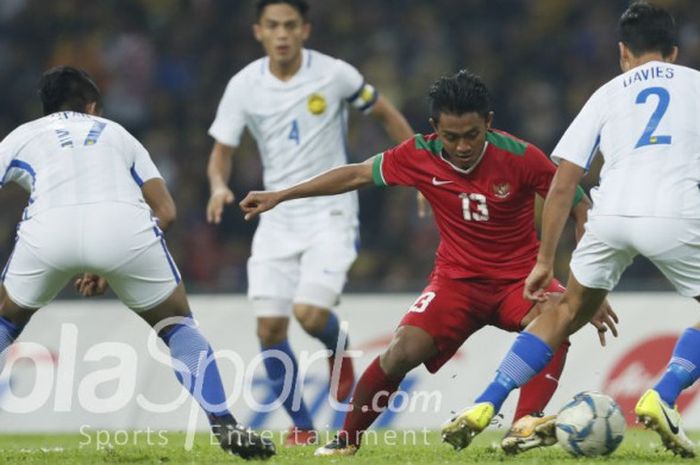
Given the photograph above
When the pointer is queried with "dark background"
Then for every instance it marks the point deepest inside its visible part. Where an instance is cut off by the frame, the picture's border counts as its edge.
(163, 65)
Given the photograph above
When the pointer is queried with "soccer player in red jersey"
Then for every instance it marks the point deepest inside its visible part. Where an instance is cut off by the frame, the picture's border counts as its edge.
(481, 184)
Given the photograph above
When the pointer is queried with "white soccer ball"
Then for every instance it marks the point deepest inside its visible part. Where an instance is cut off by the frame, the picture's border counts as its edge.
(590, 424)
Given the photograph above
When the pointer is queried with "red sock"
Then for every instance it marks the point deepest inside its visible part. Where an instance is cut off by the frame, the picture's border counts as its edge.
(372, 382)
(535, 395)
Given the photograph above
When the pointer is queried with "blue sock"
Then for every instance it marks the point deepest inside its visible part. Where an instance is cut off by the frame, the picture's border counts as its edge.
(9, 332)
(683, 368)
(189, 347)
(527, 356)
(277, 373)
(330, 333)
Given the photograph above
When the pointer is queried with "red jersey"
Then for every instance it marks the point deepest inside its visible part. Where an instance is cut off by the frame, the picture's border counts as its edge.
(486, 217)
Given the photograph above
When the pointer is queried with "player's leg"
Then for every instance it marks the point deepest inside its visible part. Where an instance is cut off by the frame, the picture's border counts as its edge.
(530, 353)
(13, 319)
(432, 330)
(596, 266)
(409, 347)
(679, 260)
(325, 262)
(148, 281)
(531, 428)
(272, 281)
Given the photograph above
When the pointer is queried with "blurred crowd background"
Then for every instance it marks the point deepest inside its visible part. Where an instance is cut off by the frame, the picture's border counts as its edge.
(163, 65)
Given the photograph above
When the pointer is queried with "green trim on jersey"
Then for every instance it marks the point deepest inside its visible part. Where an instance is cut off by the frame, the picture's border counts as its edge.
(377, 176)
(507, 143)
(433, 146)
(580, 193)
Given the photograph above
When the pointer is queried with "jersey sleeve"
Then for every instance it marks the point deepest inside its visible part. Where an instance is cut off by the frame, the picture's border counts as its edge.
(141, 165)
(229, 122)
(539, 170)
(394, 167)
(8, 152)
(354, 89)
(580, 142)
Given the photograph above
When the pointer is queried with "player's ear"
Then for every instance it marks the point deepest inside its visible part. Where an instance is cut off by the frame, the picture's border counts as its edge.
(257, 32)
(489, 120)
(91, 108)
(624, 55)
(671, 58)
(305, 31)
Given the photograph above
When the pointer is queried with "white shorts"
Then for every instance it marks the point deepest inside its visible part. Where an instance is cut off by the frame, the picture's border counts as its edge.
(118, 241)
(611, 243)
(300, 265)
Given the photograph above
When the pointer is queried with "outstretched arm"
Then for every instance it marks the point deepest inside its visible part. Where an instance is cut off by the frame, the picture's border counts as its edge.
(557, 207)
(219, 173)
(335, 181)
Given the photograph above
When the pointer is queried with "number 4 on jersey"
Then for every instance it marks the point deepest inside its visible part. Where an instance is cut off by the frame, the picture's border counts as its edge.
(294, 132)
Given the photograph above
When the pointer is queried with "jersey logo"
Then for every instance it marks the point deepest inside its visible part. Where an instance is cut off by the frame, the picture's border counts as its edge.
(437, 182)
(317, 104)
(501, 189)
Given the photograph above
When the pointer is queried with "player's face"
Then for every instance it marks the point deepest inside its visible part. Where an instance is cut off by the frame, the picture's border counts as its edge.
(282, 32)
(463, 136)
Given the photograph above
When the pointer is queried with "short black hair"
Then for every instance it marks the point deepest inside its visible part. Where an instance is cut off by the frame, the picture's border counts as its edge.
(462, 93)
(65, 88)
(302, 6)
(647, 28)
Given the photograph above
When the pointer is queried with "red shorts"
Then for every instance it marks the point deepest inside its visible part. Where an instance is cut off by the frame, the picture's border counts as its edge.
(451, 310)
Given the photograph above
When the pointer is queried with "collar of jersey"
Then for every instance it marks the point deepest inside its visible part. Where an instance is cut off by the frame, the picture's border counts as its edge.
(471, 168)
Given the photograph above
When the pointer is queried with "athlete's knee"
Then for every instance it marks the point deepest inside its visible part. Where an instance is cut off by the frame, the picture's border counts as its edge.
(12, 312)
(272, 331)
(313, 319)
(404, 354)
(541, 307)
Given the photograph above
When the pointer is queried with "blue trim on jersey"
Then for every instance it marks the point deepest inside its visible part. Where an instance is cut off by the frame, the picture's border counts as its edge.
(135, 175)
(262, 66)
(173, 268)
(308, 62)
(22, 165)
(357, 93)
(596, 144)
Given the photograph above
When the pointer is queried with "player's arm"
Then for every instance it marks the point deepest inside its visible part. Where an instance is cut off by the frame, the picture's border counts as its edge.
(335, 181)
(390, 117)
(579, 211)
(219, 173)
(157, 196)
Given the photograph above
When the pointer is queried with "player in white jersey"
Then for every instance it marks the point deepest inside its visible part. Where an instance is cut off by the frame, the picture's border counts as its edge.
(645, 124)
(97, 208)
(294, 102)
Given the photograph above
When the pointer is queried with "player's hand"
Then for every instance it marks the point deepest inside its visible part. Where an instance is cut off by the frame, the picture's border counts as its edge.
(257, 202)
(423, 206)
(90, 285)
(604, 320)
(218, 199)
(537, 282)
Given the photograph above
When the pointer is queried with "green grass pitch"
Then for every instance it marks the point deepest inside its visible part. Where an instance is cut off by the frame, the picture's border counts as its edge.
(639, 447)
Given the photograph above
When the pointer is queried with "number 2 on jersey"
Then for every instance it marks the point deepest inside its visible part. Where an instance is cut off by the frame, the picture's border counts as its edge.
(294, 132)
(647, 136)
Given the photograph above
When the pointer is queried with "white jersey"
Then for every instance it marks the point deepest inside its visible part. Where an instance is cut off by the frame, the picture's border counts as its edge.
(299, 126)
(70, 158)
(645, 123)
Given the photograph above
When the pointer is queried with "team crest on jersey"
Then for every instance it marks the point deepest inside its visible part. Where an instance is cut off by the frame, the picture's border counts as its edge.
(501, 189)
(317, 104)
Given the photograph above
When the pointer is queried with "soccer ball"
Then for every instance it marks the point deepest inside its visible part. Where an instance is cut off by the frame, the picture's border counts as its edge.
(590, 424)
